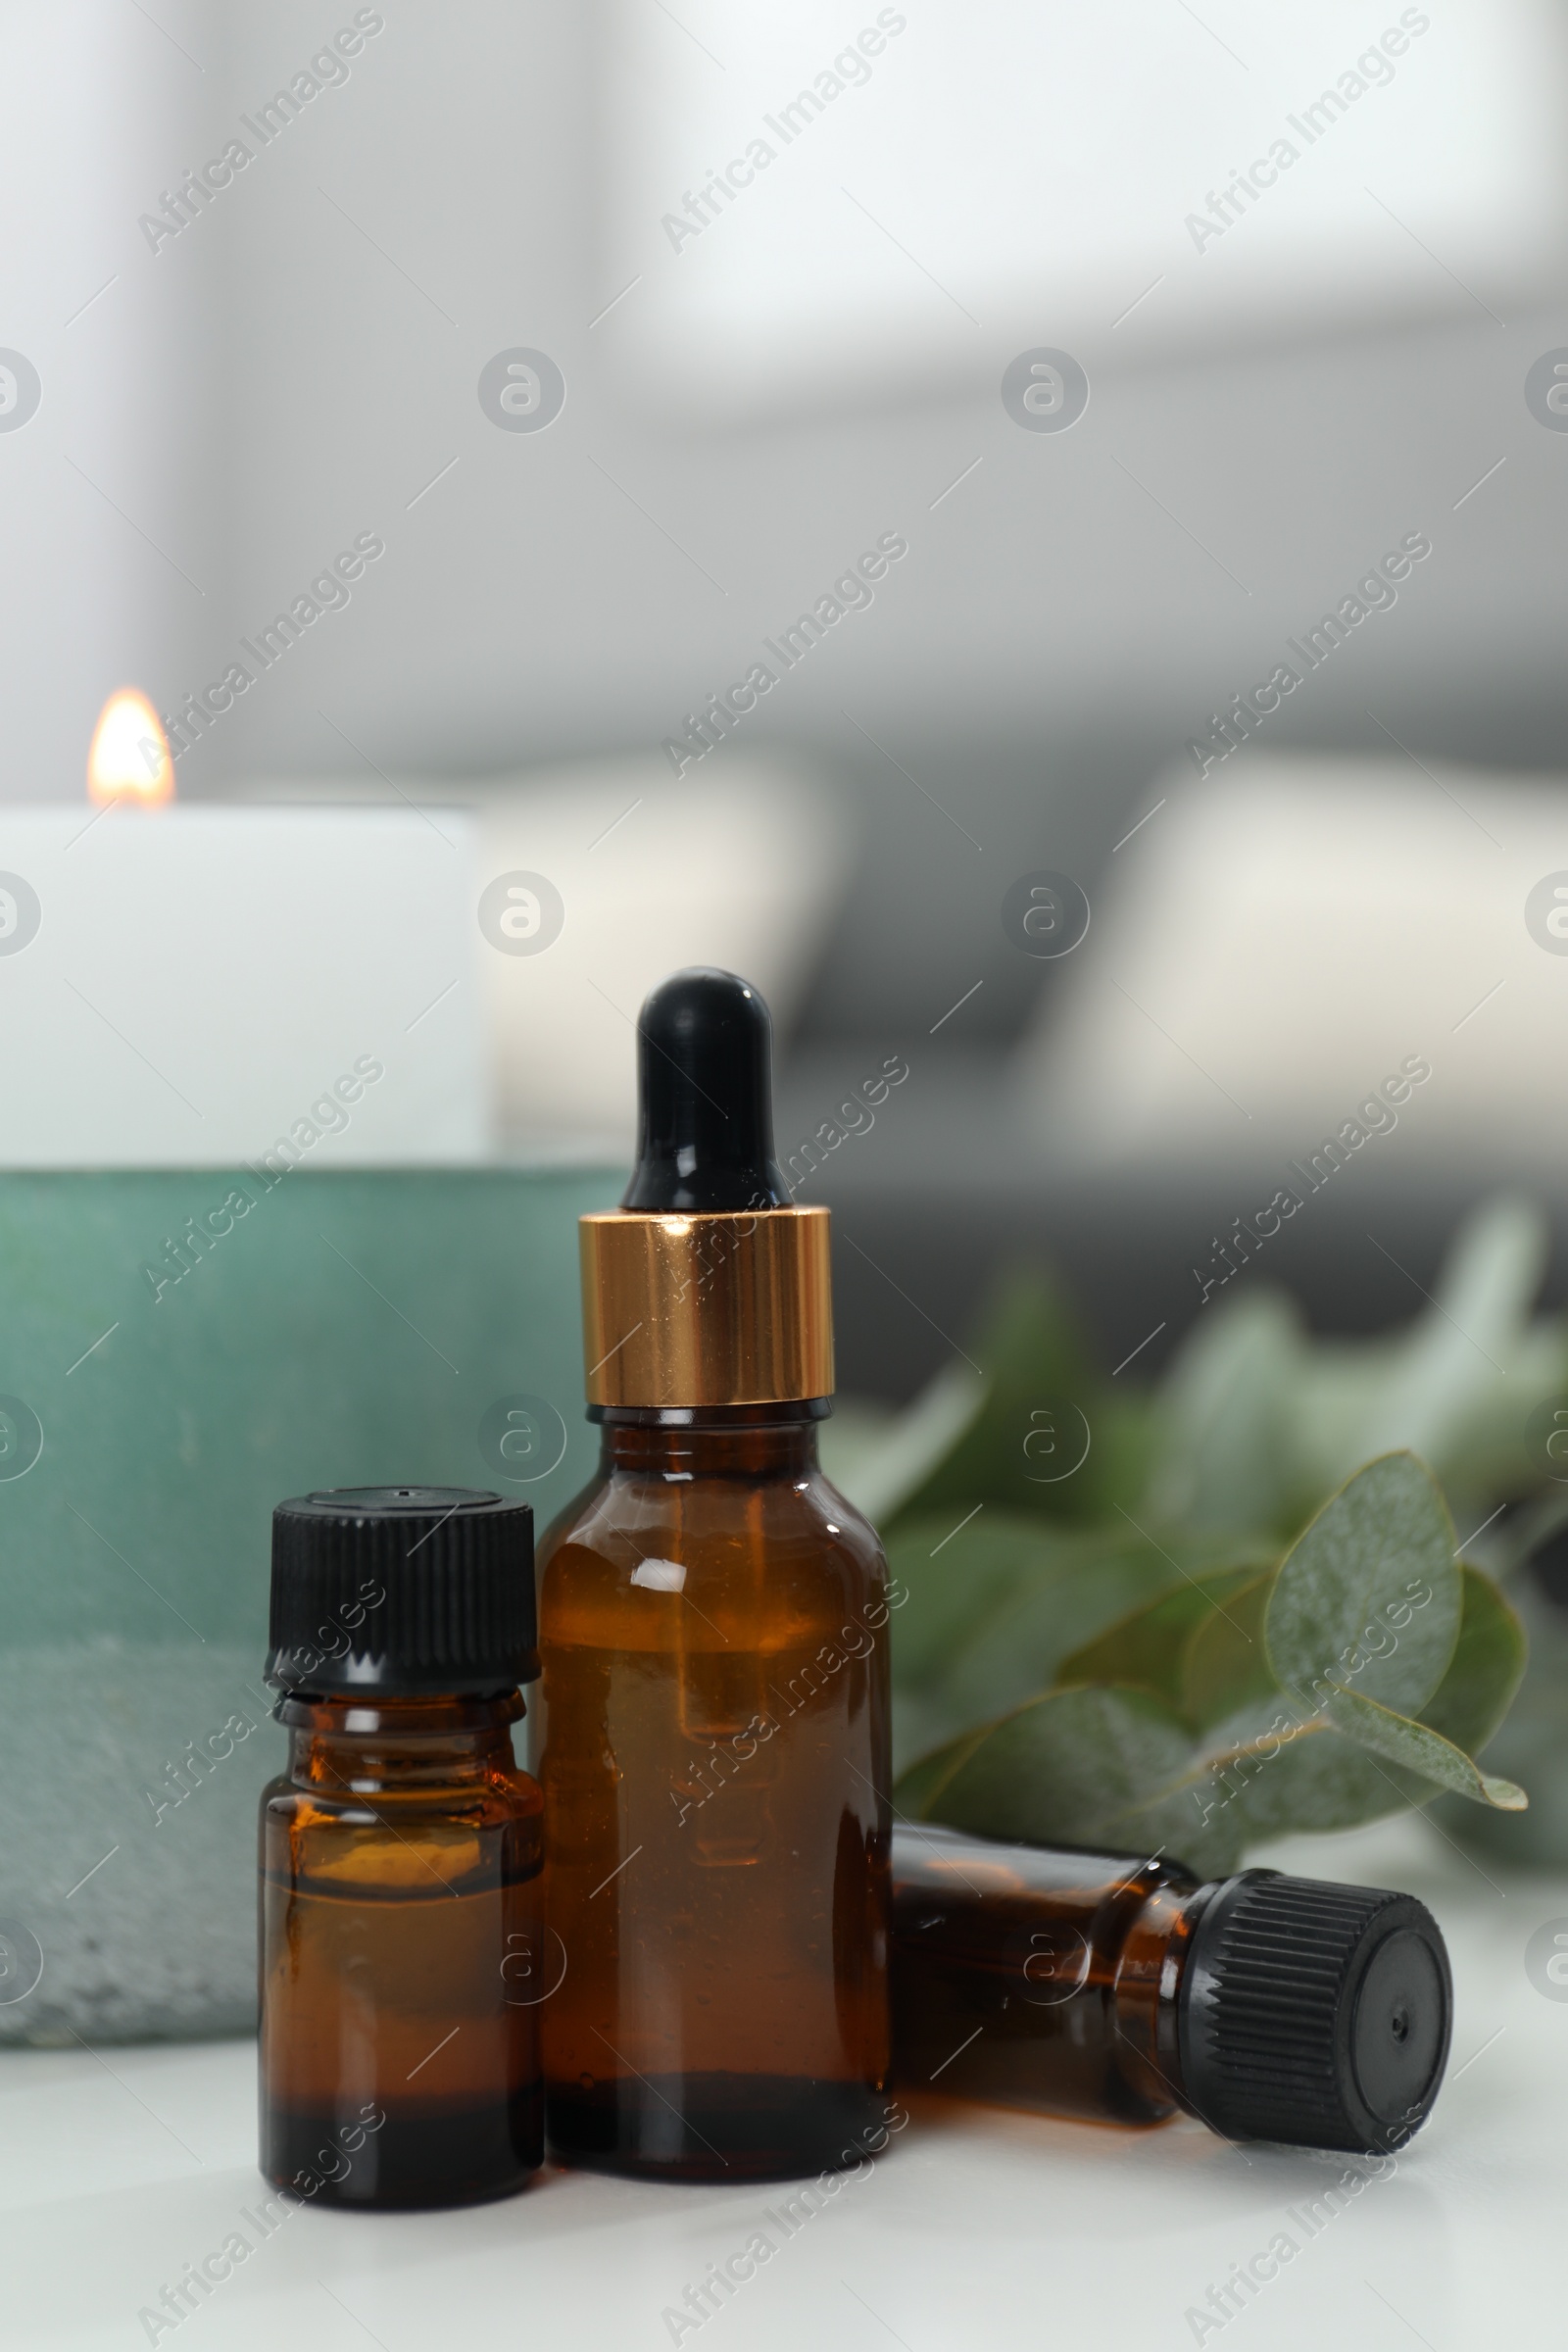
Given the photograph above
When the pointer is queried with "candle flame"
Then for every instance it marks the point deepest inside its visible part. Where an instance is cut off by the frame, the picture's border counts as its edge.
(129, 757)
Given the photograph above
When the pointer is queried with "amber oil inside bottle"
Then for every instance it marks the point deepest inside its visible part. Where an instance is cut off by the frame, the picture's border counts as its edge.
(1045, 1982)
(713, 1635)
(402, 1964)
(1119, 1991)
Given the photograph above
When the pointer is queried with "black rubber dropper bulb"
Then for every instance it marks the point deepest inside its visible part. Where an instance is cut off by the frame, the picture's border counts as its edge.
(704, 1098)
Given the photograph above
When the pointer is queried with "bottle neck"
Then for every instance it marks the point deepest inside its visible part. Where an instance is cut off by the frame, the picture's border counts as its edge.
(381, 1742)
(1147, 1995)
(736, 1440)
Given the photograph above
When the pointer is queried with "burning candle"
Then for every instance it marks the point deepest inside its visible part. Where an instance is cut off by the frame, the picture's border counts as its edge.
(130, 755)
(209, 985)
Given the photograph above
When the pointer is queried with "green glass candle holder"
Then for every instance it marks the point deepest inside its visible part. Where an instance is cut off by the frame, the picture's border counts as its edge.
(179, 1350)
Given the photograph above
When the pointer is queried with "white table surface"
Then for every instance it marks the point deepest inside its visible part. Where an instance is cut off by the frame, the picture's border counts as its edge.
(977, 2227)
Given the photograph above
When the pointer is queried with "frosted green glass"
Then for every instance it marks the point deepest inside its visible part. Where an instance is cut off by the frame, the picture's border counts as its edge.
(345, 1330)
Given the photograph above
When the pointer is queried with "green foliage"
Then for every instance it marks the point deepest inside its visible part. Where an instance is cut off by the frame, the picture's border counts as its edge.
(1375, 1567)
(1034, 1359)
(1236, 1704)
(1069, 1768)
(1256, 1422)
(1420, 1749)
(1150, 1646)
(995, 1608)
(1470, 1703)
(1529, 1746)
(1194, 1641)
(1225, 1658)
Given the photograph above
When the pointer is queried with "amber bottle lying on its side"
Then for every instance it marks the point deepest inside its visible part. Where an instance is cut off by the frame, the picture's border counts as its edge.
(713, 1631)
(400, 1931)
(1121, 1990)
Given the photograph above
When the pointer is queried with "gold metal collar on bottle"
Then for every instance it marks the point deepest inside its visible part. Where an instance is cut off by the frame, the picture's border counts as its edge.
(733, 1308)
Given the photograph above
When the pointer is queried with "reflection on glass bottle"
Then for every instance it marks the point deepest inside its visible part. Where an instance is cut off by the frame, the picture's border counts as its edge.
(713, 1638)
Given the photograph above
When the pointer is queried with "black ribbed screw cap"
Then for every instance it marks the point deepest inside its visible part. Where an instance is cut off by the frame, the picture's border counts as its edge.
(401, 1591)
(1313, 2013)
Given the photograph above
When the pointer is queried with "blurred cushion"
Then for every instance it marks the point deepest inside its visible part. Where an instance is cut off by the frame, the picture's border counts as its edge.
(1281, 947)
(742, 869)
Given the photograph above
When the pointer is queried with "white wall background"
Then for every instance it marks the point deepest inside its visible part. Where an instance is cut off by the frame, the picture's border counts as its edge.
(113, 568)
(302, 361)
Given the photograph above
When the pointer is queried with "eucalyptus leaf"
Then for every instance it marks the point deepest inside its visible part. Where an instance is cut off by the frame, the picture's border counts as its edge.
(917, 1790)
(854, 1434)
(1298, 1775)
(1044, 1773)
(1146, 1648)
(1493, 1270)
(1400, 1741)
(1168, 1826)
(1272, 1771)
(1529, 1748)
(1017, 1652)
(1286, 1775)
(1457, 1385)
(1037, 1392)
(956, 1577)
(1070, 1584)
(1223, 1428)
(1370, 1591)
(1053, 1772)
(1207, 1691)
(881, 1475)
(1224, 1661)
(1487, 1451)
(994, 1604)
(920, 1723)
(1485, 1669)
(1437, 1372)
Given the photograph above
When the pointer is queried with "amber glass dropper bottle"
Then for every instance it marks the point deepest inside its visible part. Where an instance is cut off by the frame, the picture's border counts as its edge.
(402, 1966)
(713, 1631)
(1124, 1991)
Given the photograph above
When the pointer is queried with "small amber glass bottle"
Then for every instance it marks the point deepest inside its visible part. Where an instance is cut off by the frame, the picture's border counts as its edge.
(712, 1630)
(1122, 1991)
(400, 1954)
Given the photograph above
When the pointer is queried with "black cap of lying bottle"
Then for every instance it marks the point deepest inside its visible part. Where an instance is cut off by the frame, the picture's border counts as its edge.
(705, 1099)
(398, 1592)
(1313, 2013)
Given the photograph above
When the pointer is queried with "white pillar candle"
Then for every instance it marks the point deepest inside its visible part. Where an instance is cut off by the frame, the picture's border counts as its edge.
(195, 986)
